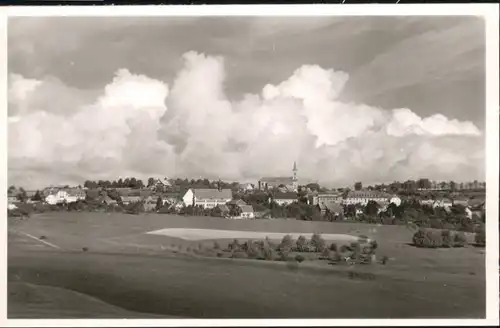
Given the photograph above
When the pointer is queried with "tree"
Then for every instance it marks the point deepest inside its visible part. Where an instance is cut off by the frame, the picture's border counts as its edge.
(301, 244)
(159, 203)
(358, 186)
(37, 196)
(371, 209)
(424, 184)
(151, 182)
(318, 242)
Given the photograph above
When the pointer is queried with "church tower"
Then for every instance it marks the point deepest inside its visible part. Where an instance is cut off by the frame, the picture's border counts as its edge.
(295, 182)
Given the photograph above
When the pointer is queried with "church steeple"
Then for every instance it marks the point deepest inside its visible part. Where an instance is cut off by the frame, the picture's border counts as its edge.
(294, 171)
(295, 182)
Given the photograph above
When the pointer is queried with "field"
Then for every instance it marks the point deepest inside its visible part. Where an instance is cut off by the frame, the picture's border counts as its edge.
(137, 273)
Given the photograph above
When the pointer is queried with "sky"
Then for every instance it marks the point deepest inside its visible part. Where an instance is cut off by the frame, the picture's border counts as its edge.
(372, 99)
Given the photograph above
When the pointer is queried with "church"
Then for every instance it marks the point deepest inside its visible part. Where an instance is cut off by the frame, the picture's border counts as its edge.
(290, 183)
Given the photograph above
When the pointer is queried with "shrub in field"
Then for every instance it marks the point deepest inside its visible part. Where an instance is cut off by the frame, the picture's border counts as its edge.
(325, 255)
(428, 239)
(301, 244)
(234, 246)
(480, 237)
(374, 245)
(283, 256)
(459, 239)
(253, 250)
(318, 243)
(286, 244)
(345, 251)
(239, 255)
(356, 250)
(299, 258)
(448, 241)
(333, 247)
(384, 260)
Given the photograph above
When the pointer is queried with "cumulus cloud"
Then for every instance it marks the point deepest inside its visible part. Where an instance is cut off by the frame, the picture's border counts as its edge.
(140, 126)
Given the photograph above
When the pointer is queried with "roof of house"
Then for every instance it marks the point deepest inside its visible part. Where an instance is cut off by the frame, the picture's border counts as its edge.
(213, 194)
(476, 202)
(236, 202)
(75, 192)
(277, 180)
(223, 208)
(285, 195)
(331, 206)
(366, 194)
(246, 208)
(170, 195)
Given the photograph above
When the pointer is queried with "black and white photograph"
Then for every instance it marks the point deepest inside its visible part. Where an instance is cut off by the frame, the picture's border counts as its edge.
(250, 166)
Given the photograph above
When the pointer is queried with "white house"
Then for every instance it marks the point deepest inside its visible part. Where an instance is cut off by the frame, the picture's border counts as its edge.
(56, 197)
(395, 200)
(74, 195)
(207, 198)
(246, 212)
(362, 197)
(327, 198)
(285, 198)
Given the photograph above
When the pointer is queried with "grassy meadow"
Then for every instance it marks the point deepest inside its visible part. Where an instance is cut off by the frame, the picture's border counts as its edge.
(125, 267)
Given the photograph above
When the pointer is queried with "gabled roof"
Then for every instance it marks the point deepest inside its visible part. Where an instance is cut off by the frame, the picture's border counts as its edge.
(236, 202)
(213, 194)
(223, 208)
(476, 202)
(331, 206)
(246, 208)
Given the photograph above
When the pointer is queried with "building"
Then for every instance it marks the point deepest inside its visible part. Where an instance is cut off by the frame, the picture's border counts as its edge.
(460, 200)
(74, 194)
(286, 198)
(207, 198)
(246, 212)
(333, 207)
(246, 187)
(362, 197)
(236, 202)
(290, 183)
(161, 184)
(395, 200)
(56, 197)
(169, 197)
(326, 198)
(443, 202)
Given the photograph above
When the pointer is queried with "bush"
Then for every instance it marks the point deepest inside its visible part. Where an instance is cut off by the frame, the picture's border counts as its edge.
(333, 247)
(299, 258)
(459, 239)
(286, 244)
(356, 250)
(318, 243)
(239, 255)
(427, 239)
(283, 256)
(448, 241)
(301, 244)
(234, 246)
(480, 237)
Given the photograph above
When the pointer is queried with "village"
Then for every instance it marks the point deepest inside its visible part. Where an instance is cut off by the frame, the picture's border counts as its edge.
(269, 198)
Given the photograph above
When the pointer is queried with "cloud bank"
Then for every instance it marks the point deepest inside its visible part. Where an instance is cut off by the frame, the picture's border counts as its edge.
(144, 127)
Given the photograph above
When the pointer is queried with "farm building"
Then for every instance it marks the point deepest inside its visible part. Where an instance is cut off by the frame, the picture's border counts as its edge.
(246, 211)
(332, 207)
(207, 198)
